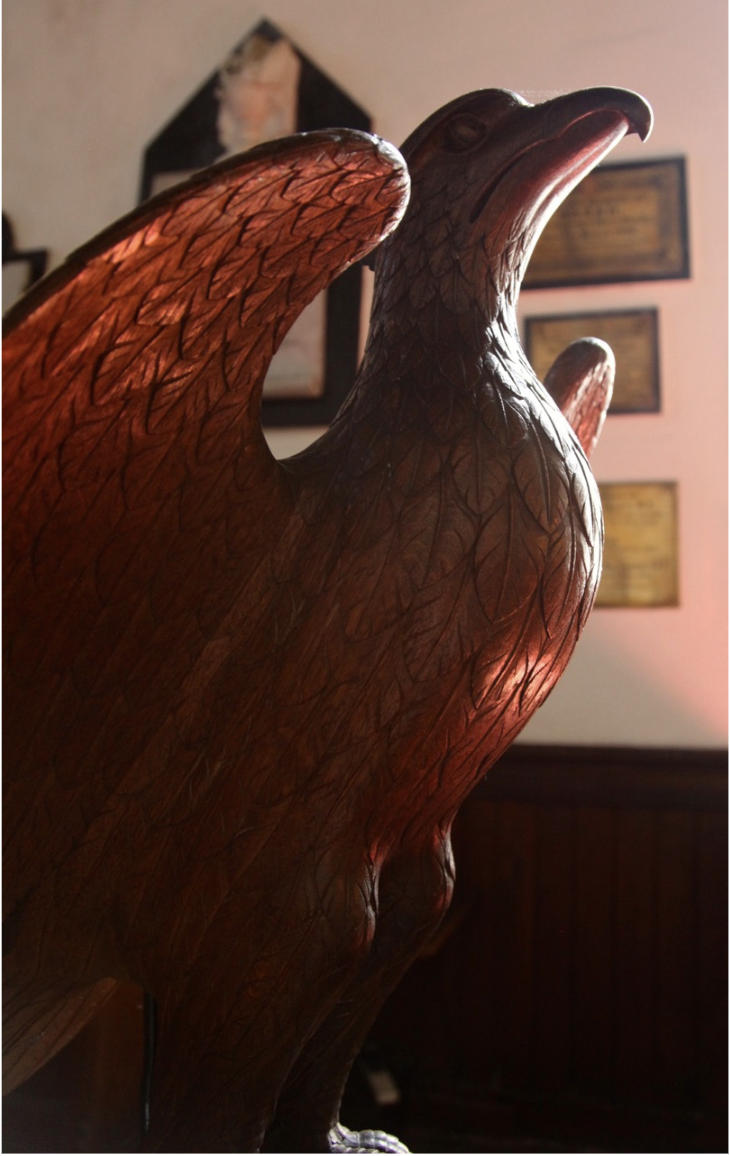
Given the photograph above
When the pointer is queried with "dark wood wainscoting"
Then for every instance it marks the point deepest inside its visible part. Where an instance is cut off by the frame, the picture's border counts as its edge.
(575, 999)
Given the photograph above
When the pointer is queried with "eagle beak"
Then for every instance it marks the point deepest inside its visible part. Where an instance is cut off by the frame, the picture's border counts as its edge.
(575, 105)
(556, 144)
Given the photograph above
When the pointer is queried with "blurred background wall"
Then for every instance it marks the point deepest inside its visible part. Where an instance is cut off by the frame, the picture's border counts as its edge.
(574, 1000)
(87, 85)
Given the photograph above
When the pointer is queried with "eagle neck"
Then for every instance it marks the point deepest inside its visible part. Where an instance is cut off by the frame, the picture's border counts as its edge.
(425, 339)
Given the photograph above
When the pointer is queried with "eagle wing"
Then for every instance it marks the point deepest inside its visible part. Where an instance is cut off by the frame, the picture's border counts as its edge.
(580, 382)
(138, 484)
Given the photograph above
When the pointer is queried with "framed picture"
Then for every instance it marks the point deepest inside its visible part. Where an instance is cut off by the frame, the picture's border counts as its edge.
(640, 557)
(21, 267)
(633, 337)
(623, 222)
(267, 88)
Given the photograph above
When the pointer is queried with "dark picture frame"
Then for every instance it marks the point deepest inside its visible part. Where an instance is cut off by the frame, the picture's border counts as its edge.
(624, 222)
(190, 141)
(21, 267)
(633, 335)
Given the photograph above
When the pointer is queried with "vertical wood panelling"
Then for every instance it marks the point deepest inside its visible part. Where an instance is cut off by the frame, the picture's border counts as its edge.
(511, 940)
(711, 978)
(551, 963)
(577, 992)
(587, 980)
(591, 980)
(677, 930)
(635, 953)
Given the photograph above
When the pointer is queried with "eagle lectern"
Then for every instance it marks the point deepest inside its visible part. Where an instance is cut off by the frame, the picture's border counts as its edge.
(246, 697)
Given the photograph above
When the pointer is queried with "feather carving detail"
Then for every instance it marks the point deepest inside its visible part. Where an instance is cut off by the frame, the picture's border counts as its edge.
(246, 697)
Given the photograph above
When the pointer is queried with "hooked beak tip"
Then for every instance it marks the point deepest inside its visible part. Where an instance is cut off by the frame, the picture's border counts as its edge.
(638, 113)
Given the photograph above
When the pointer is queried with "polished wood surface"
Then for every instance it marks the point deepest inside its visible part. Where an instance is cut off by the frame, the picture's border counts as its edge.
(245, 699)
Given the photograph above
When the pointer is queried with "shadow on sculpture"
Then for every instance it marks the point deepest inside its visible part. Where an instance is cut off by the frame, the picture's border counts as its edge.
(245, 698)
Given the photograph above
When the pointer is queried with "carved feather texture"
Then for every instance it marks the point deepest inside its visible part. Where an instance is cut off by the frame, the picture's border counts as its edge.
(132, 441)
(247, 696)
(580, 381)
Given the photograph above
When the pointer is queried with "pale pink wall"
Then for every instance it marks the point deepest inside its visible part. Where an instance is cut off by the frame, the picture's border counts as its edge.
(86, 84)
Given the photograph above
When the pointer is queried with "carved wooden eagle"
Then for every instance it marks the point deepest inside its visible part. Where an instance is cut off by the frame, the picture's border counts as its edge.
(245, 698)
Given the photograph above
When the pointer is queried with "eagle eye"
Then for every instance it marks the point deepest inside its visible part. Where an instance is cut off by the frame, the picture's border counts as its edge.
(463, 133)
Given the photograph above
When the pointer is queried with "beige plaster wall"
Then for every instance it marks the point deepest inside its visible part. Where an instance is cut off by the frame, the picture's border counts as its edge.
(88, 82)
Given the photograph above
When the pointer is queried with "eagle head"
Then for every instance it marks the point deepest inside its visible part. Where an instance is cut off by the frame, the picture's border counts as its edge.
(487, 172)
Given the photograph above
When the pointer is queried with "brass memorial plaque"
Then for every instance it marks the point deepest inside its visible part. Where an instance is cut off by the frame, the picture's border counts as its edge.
(640, 560)
(632, 336)
(622, 223)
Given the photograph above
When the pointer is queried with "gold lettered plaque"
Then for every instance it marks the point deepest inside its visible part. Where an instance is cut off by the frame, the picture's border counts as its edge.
(640, 560)
(622, 223)
(632, 336)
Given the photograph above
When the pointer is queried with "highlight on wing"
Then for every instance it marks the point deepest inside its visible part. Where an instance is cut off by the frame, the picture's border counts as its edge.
(246, 698)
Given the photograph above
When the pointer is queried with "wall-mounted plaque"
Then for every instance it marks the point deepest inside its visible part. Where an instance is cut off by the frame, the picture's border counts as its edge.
(633, 337)
(622, 223)
(640, 559)
(264, 89)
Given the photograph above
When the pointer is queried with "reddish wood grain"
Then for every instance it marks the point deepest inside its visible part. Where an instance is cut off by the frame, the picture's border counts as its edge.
(246, 698)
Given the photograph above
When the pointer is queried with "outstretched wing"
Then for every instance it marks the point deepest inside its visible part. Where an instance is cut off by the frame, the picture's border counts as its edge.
(580, 381)
(139, 490)
(164, 325)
